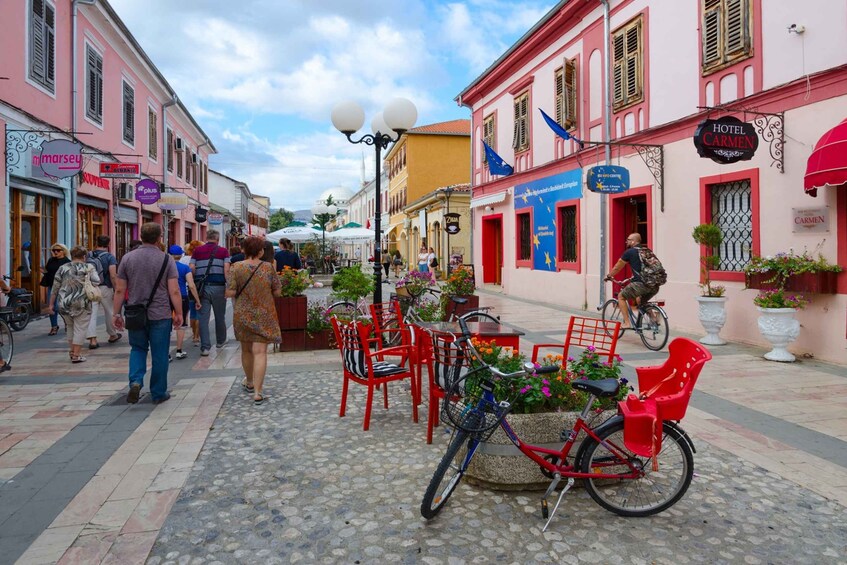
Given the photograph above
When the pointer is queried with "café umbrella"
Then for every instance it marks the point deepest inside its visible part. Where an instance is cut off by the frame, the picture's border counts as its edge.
(351, 235)
(297, 234)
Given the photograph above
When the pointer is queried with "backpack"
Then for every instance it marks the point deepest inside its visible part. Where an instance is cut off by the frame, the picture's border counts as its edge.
(652, 272)
(94, 261)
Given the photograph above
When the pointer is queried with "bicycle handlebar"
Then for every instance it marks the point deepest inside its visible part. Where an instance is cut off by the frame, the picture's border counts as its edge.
(618, 282)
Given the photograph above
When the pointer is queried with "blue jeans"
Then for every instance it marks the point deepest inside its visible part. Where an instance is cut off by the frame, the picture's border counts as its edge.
(54, 317)
(157, 338)
(423, 268)
(212, 299)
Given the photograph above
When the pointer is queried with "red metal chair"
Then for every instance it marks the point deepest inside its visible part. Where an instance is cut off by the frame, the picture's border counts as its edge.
(364, 366)
(448, 363)
(585, 332)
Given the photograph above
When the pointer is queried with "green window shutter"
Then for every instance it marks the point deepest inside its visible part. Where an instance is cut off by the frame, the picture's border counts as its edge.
(36, 42)
(50, 46)
(129, 113)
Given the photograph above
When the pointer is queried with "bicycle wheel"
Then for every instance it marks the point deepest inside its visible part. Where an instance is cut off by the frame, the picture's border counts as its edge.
(7, 343)
(479, 316)
(392, 337)
(650, 494)
(344, 308)
(450, 471)
(22, 312)
(654, 327)
(611, 313)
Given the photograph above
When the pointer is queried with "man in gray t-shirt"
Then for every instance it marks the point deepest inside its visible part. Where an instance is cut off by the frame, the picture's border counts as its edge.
(138, 273)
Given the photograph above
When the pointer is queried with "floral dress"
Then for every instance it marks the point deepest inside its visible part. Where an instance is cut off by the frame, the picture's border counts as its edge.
(68, 283)
(254, 315)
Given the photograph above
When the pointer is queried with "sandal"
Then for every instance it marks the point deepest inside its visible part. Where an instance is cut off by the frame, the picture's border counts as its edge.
(54, 330)
(79, 359)
(246, 387)
(259, 400)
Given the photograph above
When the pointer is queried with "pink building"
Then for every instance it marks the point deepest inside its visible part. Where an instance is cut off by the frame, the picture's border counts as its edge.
(671, 66)
(71, 70)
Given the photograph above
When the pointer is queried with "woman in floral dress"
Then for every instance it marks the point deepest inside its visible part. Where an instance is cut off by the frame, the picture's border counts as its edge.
(253, 283)
(68, 298)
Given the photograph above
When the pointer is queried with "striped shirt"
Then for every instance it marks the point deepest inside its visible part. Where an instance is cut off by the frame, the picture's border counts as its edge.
(214, 272)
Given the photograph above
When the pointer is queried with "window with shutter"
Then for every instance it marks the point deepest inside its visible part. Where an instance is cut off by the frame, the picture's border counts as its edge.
(170, 150)
(153, 134)
(179, 164)
(488, 134)
(627, 64)
(42, 44)
(94, 86)
(128, 114)
(569, 112)
(521, 135)
(187, 166)
(725, 33)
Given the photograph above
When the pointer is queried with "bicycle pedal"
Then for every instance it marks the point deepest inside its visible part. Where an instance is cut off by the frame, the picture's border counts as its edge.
(545, 513)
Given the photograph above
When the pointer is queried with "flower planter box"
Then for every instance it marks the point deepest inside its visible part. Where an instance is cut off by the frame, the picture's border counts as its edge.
(817, 283)
(461, 309)
(293, 340)
(291, 312)
(320, 340)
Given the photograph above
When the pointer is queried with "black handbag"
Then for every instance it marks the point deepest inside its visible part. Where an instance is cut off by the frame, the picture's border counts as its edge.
(135, 315)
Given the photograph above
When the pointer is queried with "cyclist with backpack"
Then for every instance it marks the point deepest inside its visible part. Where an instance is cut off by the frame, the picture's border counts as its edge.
(648, 275)
(106, 266)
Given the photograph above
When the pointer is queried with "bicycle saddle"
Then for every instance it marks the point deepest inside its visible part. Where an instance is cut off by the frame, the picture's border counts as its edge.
(459, 300)
(601, 388)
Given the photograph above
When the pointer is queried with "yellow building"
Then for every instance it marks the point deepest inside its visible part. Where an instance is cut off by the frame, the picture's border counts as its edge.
(424, 160)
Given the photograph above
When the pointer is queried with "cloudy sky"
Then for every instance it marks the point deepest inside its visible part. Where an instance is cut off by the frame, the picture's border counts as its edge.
(261, 76)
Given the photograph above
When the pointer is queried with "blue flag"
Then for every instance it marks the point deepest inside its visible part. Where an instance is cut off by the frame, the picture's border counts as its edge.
(496, 164)
(559, 130)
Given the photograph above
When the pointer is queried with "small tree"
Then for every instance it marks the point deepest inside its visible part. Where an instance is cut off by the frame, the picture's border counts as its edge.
(709, 236)
(352, 284)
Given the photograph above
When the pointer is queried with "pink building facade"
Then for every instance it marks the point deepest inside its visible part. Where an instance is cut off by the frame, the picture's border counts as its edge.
(672, 65)
(71, 70)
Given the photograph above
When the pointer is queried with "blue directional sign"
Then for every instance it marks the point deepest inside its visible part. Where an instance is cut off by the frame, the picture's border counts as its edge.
(608, 179)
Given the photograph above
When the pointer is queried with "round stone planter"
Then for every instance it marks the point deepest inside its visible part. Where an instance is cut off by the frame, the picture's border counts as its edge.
(712, 314)
(499, 465)
(779, 327)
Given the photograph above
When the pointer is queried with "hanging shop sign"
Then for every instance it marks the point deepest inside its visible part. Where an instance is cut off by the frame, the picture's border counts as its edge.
(173, 200)
(608, 179)
(200, 214)
(147, 191)
(451, 223)
(726, 140)
(810, 220)
(60, 158)
(215, 218)
(120, 170)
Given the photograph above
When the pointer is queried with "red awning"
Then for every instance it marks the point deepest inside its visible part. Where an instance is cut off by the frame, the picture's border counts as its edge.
(827, 164)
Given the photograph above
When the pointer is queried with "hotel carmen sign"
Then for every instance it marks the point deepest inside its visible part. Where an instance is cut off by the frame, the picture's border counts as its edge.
(726, 140)
(810, 220)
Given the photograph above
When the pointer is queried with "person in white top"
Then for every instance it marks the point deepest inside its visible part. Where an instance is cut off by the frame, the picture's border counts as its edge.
(432, 263)
(423, 260)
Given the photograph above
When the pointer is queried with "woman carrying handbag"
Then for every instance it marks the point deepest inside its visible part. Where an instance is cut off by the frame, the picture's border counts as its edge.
(72, 294)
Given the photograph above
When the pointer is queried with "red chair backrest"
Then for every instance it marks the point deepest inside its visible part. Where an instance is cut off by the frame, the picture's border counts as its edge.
(671, 384)
(585, 332)
(352, 339)
(382, 312)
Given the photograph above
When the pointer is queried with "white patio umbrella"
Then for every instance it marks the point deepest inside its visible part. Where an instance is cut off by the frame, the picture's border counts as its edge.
(351, 235)
(297, 234)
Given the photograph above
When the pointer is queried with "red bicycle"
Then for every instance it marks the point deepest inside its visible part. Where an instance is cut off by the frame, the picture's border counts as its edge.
(639, 462)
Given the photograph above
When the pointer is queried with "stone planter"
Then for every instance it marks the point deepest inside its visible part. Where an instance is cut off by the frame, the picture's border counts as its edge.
(712, 314)
(499, 465)
(779, 327)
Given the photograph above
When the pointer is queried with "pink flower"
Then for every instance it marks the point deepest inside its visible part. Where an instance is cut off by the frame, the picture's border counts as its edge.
(545, 391)
(591, 348)
(545, 381)
(526, 389)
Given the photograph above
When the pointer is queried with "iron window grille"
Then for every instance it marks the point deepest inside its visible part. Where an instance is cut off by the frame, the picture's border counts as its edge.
(732, 212)
(567, 234)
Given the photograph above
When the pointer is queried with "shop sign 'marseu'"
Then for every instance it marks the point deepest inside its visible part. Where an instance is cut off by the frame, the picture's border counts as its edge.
(726, 140)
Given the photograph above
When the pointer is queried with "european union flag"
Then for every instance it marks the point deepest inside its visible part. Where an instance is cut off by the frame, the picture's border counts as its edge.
(559, 130)
(496, 164)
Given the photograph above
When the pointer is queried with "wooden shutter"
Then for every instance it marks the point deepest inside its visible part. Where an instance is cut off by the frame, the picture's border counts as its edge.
(152, 134)
(569, 94)
(488, 134)
(560, 98)
(516, 141)
(129, 113)
(170, 150)
(737, 35)
(618, 54)
(36, 35)
(711, 35)
(50, 45)
(633, 61)
(627, 70)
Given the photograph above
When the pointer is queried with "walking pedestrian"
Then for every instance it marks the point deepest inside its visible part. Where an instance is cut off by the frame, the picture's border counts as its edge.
(150, 276)
(60, 256)
(385, 259)
(194, 317)
(106, 266)
(286, 257)
(71, 300)
(397, 261)
(268, 252)
(254, 315)
(186, 288)
(210, 267)
(432, 263)
(423, 260)
(235, 255)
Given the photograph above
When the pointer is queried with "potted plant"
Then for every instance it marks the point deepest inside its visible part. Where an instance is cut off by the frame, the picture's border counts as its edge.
(318, 328)
(541, 406)
(789, 271)
(291, 306)
(414, 284)
(777, 323)
(460, 283)
(351, 284)
(712, 302)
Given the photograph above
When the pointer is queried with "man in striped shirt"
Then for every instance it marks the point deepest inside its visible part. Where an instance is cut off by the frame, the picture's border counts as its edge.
(210, 268)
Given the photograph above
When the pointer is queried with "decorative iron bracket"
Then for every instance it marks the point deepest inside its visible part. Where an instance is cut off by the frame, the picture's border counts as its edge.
(18, 141)
(769, 126)
(652, 155)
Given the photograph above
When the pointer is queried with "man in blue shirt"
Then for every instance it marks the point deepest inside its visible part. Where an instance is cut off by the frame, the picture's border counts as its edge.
(107, 269)
(210, 267)
(186, 283)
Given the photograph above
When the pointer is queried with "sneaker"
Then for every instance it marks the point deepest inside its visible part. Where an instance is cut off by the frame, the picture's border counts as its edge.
(5, 367)
(163, 399)
(134, 393)
(170, 357)
(220, 345)
(204, 353)
(181, 354)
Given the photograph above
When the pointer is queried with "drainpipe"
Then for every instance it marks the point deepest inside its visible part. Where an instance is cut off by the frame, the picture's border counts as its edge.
(607, 137)
(167, 155)
(70, 201)
(470, 180)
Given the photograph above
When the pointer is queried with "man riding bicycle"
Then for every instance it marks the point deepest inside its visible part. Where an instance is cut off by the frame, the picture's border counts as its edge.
(637, 289)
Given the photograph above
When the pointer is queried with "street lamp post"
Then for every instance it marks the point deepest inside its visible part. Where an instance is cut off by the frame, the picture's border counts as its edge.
(324, 213)
(398, 117)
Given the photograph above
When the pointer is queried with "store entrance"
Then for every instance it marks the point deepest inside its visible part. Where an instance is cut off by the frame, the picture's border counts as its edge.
(629, 214)
(33, 231)
(492, 249)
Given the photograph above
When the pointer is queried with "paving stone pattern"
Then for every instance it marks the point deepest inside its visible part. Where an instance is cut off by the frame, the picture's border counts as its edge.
(290, 481)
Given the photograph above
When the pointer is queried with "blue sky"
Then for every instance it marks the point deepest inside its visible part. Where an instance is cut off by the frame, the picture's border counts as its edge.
(262, 81)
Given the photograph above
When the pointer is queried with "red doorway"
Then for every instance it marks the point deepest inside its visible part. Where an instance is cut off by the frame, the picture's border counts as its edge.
(631, 212)
(492, 249)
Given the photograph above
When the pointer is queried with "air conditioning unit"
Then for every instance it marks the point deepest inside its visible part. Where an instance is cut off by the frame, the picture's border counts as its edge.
(194, 159)
(179, 145)
(126, 192)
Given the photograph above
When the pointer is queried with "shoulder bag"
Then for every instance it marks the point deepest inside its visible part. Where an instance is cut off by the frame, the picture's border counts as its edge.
(201, 281)
(240, 290)
(135, 315)
(91, 292)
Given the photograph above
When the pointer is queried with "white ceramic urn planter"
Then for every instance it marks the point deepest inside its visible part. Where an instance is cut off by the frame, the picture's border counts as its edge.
(712, 314)
(779, 327)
